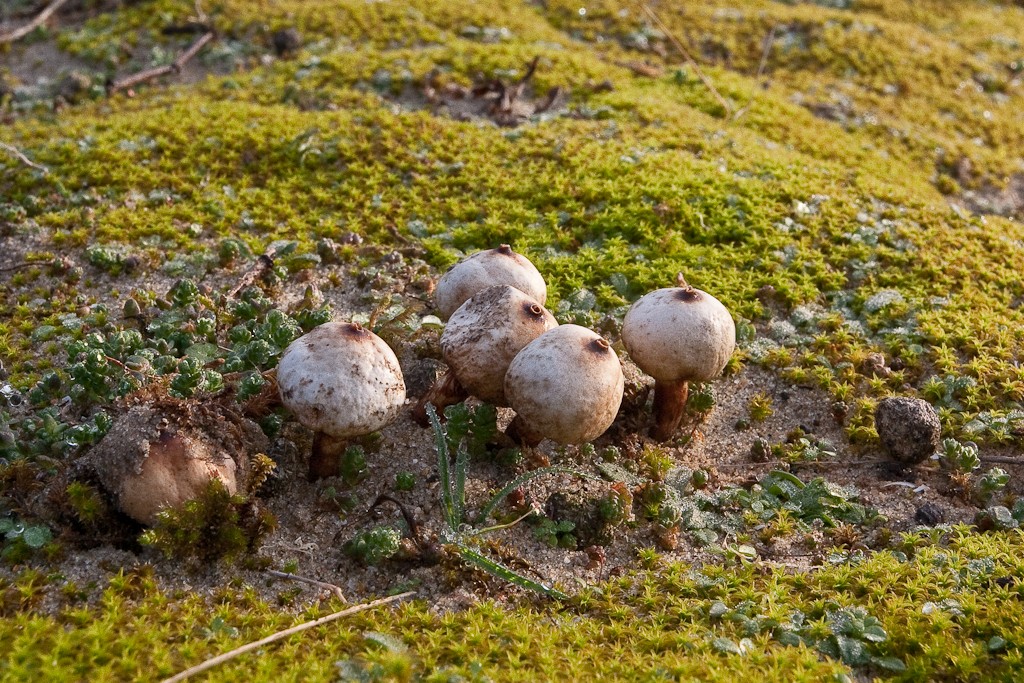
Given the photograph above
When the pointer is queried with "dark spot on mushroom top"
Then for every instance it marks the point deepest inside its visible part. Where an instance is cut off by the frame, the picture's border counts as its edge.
(353, 330)
(599, 345)
(533, 310)
(688, 295)
(505, 250)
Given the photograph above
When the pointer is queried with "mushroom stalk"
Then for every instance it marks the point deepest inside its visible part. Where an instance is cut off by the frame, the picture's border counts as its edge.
(448, 391)
(325, 458)
(669, 407)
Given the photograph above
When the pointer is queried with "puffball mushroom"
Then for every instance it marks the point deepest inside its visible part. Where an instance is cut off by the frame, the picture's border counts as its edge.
(566, 385)
(500, 266)
(342, 381)
(478, 343)
(677, 335)
(164, 454)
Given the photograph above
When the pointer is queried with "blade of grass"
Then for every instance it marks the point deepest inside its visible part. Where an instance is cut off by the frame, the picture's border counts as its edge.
(459, 493)
(502, 572)
(441, 445)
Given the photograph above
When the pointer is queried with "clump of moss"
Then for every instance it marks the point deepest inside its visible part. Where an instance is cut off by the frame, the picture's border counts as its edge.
(217, 524)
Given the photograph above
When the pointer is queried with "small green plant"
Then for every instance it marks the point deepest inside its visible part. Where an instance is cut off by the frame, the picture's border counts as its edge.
(86, 502)
(352, 467)
(556, 534)
(961, 457)
(1001, 518)
(760, 407)
(405, 481)
(217, 524)
(373, 546)
(387, 658)
(800, 447)
(990, 484)
(701, 400)
(457, 535)
(656, 462)
(854, 634)
(616, 506)
(21, 539)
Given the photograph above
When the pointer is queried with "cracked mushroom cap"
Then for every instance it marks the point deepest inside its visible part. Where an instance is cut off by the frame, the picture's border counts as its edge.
(485, 334)
(342, 380)
(566, 385)
(159, 456)
(484, 269)
(679, 333)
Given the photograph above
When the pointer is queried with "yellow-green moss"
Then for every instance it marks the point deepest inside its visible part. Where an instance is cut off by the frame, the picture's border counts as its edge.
(942, 609)
(836, 223)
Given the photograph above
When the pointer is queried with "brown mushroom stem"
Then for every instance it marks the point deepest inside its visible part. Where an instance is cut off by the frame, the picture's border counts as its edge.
(669, 407)
(521, 433)
(325, 459)
(444, 392)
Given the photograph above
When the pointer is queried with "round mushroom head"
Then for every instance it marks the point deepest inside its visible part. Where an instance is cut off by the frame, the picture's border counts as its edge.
(178, 468)
(500, 266)
(342, 380)
(679, 333)
(485, 334)
(566, 385)
(165, 453)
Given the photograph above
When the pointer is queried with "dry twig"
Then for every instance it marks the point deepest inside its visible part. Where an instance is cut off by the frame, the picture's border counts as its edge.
(20, 156)
(313, 582)
(26, 264)
(173, 68)
(40, 19)
(1002, 459)
(689, 59)
(280, 635)
(766, 48)
(264, 264)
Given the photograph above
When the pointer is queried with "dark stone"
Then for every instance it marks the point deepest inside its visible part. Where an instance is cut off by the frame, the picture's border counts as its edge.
(74, 86)
(908, 428)
(929, 514)
(285, 41)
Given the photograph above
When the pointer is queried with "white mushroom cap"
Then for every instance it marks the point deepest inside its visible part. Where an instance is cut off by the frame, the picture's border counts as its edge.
(342, 380)
(485, 334)
(500, 266)
(566, 385)
(177, 469)
(679, 333)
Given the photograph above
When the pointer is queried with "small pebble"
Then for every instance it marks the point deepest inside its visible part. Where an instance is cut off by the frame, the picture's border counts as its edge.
(908, 428)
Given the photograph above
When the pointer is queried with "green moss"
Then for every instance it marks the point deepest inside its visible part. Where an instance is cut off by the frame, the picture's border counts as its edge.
(940, 606)
(818, 212)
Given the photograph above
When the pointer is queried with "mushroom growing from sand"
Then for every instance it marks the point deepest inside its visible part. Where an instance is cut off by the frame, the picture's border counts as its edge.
(484, 269)
(566, 386)
(342, 381)
(479, 341)
(677, 335)
(163, 454)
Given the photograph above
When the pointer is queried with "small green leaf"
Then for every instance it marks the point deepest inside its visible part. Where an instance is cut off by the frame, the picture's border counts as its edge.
(386, 641)
(204, 353)
(718, 610)
(726, 646)
(996, 643)
(889, 663)
(36, 536)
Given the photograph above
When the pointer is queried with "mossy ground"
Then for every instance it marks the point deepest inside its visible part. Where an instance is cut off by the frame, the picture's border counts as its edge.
(835, 198)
